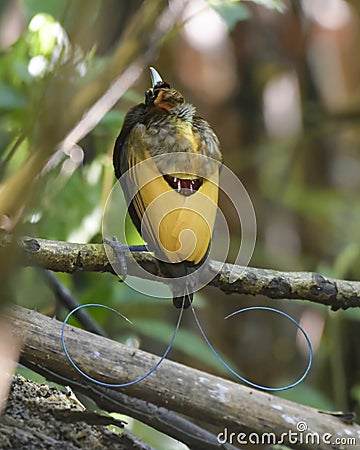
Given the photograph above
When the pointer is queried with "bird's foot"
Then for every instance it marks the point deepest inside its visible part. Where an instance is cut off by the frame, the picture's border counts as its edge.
(120, 251)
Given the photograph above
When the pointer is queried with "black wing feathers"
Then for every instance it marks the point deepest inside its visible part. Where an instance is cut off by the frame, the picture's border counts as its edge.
(134, 116)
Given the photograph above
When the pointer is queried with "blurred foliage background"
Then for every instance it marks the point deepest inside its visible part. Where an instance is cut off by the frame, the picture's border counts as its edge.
(280, 84)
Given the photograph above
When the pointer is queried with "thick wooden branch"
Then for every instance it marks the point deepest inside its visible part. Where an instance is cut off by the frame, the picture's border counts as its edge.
(198, 395)
(69, 257)
(157, 417)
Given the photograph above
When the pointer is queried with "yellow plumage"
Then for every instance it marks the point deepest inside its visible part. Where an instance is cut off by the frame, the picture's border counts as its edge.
(171, 160)
(181, 225)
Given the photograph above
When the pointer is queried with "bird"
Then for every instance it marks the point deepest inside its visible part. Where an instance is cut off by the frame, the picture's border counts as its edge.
(168, 159)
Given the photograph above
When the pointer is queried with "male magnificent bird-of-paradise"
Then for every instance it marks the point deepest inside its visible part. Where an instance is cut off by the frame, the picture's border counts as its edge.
(171, 158)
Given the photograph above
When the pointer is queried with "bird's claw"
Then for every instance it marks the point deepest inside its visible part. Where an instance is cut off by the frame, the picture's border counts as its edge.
(120, 251)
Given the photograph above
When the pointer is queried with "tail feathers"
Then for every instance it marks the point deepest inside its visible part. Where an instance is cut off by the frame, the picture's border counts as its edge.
(183, 279)
(184, 301)
(183, 290)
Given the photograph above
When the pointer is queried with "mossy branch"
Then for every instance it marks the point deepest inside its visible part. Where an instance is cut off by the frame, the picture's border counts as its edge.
(69, 257)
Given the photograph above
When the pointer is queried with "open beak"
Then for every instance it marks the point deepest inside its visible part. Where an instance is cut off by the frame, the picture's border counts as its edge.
(155, 77)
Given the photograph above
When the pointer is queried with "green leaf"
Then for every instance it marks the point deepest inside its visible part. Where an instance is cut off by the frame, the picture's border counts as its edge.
(231, 11)
(234, 11)
(66, 203)
(11, 99)
(276, 5)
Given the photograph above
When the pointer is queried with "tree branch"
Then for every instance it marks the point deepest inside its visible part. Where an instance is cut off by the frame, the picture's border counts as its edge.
(65, 298)
(201, 396)
(42, 417)
(168, 422)
(68, 257)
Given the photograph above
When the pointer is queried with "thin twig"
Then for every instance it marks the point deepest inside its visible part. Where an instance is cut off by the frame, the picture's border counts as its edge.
(66, 298)
(11, 153)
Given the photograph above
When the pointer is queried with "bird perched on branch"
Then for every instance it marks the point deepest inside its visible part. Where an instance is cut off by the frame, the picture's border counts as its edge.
(167, 160)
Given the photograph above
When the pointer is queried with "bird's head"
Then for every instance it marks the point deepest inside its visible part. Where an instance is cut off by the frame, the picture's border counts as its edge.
(161, 95)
